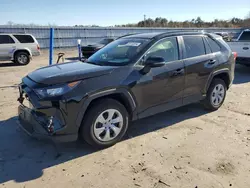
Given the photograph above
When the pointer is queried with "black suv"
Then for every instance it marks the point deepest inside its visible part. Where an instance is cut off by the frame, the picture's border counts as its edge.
(131, 78)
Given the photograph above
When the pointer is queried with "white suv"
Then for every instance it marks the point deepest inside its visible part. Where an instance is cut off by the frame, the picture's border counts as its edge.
(18, 48)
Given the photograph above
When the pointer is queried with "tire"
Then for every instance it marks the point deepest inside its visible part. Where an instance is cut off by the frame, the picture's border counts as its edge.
(22, 58)
(216, 95)
(94, 130)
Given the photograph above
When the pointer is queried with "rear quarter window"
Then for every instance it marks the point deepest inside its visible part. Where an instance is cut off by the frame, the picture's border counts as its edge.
(194, 46)
(24, 38)
(213, 45)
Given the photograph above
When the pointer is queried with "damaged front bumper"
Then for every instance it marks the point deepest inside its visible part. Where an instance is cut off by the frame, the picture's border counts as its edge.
(43, 121)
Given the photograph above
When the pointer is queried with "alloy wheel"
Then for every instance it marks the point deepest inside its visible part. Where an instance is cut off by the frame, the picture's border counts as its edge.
(108, 125)
(217, 95)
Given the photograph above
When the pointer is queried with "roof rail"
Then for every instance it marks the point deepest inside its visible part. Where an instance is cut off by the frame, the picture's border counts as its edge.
(174, 33)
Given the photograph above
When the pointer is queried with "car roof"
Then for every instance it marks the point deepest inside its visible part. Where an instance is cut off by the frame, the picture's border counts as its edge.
(158, 35)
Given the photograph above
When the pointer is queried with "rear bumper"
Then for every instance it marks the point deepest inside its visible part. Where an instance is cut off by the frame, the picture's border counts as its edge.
(36, 127)
(243, 60)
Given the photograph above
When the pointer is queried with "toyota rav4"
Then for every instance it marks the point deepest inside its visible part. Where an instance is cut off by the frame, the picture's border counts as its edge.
(131, 78)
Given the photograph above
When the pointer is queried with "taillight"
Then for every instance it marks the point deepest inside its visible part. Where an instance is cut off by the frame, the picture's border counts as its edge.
(38, 47)
(235, 55)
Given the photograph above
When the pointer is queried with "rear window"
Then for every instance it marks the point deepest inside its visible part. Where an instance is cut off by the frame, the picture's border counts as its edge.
(213, 45)
(24, 38)
(6, 39)
(194, 46)
(245, 36)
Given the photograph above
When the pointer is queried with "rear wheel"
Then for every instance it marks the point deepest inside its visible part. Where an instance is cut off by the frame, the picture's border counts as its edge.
(216, 95)
(105, 123)
(22, 58)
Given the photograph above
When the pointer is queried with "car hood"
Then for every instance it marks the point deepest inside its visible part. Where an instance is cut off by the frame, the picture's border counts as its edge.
(67, 72)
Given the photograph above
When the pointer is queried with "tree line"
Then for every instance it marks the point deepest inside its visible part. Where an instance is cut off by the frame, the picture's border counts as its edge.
(198, 22)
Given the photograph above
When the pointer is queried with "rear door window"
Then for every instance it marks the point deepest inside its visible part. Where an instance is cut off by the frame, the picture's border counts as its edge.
(214, 46)
(24, 38)
(194, 46)
(6, 39)
(245, 36)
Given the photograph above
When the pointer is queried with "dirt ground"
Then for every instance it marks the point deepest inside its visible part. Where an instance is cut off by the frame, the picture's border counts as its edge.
(182, 148)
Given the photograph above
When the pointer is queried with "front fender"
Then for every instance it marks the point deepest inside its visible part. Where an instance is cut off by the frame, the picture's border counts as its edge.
(89, 98)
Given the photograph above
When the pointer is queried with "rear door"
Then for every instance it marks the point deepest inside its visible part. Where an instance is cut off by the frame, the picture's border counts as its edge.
(7, 46)
(199, 62)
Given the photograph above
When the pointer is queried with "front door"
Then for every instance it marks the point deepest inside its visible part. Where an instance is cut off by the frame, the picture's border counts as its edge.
(161, 88)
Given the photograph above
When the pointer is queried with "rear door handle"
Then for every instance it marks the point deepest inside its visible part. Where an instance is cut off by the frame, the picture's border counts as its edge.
(245, 48)
(211, 62)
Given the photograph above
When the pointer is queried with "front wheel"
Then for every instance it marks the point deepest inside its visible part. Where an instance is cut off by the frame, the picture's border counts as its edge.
(105, 123)
(216, 95)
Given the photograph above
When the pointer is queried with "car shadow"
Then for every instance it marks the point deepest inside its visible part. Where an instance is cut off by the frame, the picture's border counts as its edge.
(242, 74)
(8, 64)
(23, 158)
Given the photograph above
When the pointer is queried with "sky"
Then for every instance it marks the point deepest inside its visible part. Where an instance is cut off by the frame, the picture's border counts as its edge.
(116, 12)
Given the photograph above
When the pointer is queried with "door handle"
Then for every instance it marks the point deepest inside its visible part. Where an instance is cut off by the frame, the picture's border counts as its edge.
(211, 62)
(178, 72)
(245, 48)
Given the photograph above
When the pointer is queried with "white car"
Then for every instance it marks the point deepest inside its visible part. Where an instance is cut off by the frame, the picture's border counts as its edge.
(242, 46)
(18, 48)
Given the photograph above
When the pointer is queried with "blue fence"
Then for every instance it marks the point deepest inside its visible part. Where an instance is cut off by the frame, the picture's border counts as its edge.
(67, 36)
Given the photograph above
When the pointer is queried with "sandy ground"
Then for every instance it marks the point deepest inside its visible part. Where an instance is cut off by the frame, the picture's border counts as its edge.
(186, 147)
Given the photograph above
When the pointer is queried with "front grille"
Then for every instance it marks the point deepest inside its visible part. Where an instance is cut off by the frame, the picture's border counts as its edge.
(88, 49)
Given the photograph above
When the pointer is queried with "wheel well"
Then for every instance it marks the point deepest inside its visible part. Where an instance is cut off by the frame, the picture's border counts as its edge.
(118, 97)
(26, 51)
(224, 77)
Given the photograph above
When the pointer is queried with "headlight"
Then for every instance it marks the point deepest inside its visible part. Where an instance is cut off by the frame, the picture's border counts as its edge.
(54, 91)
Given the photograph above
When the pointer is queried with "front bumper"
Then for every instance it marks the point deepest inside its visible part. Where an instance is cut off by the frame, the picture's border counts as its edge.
(45, 119)
(30, 123)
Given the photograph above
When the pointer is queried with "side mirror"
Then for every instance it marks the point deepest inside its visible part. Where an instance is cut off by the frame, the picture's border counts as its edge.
(154, 61)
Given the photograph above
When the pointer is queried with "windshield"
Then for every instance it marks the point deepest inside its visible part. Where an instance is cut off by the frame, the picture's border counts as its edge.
(119, 52)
